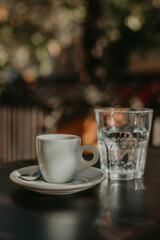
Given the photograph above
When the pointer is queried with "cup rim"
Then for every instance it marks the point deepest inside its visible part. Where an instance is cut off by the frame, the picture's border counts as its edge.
(57, 137)
(123, 110)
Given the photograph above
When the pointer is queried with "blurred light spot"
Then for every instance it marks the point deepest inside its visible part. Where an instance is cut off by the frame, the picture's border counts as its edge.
(156, 3)
(3, 56)
(115, 35)
(37, 38)
(49, 121)
(22, 56)
(6, 31)
(21, 8)
(46, 68)
(54, 48)
(84, 76)
(57, 114)
(42, 54)
(30, 75)
(47, 25)
(65, 39)
(136, 102)
(94, 95)
(4, 13)
(55, 102)
(133, 23)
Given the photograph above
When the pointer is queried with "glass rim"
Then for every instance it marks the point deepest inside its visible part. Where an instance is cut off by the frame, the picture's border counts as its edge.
(124, 110)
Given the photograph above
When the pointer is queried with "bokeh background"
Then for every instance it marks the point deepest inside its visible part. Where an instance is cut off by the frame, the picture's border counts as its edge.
(61, 59)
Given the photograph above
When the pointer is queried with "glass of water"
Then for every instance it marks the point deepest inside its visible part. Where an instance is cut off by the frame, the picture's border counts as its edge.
(123, 135)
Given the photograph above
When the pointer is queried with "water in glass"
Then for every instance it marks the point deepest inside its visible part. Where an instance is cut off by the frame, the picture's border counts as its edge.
(123, 151)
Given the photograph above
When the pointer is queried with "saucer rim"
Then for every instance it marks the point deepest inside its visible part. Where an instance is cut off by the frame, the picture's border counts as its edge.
(33, 185)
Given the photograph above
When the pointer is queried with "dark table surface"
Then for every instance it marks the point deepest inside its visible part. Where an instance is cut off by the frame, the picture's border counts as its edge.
(110, 210)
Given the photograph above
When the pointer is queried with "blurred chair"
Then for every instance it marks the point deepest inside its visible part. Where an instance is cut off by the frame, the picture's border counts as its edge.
(18, 130)
(156, 132)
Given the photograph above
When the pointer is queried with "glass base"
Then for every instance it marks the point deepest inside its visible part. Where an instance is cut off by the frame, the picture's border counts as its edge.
(124, 176)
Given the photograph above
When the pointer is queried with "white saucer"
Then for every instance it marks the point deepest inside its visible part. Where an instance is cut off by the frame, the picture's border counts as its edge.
(82, 180)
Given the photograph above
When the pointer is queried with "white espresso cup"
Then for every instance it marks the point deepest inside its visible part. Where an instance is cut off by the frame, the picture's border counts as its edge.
(61, 155)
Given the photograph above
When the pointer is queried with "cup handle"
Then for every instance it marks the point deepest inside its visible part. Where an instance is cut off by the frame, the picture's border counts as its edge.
(84, 163)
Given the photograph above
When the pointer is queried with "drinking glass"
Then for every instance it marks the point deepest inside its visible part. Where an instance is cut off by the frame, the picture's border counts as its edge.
(123, 136)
